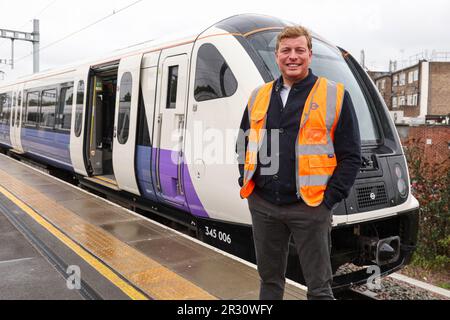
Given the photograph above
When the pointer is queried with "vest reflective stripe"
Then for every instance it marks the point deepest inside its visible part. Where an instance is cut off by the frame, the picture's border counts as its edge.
(315, 157)
(316, 160)
(257, 118)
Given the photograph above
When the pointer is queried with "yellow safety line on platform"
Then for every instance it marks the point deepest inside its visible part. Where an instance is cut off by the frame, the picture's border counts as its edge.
(94, 262)
(154, 279)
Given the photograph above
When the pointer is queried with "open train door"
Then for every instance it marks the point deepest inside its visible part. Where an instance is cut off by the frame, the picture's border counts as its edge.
(124, 139)
(77, 128)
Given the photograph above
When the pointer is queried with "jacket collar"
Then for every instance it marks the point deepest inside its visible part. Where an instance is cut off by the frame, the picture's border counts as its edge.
(310, 78)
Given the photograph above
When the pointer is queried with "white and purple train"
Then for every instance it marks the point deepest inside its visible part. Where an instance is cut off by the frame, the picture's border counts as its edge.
(131, 126)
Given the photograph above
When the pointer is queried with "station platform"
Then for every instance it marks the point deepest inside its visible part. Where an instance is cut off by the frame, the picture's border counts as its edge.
(52, 232)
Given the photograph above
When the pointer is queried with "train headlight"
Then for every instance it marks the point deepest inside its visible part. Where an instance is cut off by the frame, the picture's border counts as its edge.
(401, 183)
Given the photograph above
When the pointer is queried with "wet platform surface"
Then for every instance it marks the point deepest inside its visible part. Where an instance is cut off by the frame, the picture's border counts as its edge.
(139, 258)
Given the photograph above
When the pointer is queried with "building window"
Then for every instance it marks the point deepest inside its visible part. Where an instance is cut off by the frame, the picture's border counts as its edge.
(213, 77)
(401, 101)
(402, 79)
(416, 75)
(409, 101)
(394, 103)
(395, 81)
(48, 107)
(410, 77)
(383, 84)
(123, 123)
(79, 108)
(414, 99)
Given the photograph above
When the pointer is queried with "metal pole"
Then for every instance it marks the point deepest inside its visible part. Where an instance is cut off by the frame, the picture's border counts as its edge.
(36, 46)
(12, 54)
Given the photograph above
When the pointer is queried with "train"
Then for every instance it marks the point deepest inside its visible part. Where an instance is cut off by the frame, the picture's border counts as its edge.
(156, 125)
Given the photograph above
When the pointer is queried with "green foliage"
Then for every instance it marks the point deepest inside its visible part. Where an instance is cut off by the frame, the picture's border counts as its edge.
(430, 184)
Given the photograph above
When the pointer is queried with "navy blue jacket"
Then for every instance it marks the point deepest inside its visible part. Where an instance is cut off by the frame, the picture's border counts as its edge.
(280, 188)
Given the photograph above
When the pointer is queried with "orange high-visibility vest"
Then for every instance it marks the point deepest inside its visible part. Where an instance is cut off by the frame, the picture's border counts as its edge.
(315, 157)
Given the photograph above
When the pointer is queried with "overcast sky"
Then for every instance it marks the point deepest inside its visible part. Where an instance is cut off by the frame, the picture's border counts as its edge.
(385, 29)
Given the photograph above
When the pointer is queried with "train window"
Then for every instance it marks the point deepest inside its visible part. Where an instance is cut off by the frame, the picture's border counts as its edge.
(79, 108)
(327, 62)
(123, 122)
(171, 101)
(32, 113)
(13, 108)
(19, 103)
(213, 77)
(5, 107)
(48, 108)
(65, 109)
(143, 138)
(2, 102)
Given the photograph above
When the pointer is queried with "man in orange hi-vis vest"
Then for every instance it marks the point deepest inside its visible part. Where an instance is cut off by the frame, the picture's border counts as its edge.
(298, 159)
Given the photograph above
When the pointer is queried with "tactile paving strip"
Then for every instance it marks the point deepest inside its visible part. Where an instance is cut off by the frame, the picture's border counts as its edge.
(148, 275)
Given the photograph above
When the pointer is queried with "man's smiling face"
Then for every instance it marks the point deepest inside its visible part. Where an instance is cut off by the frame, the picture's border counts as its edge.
(293, 58)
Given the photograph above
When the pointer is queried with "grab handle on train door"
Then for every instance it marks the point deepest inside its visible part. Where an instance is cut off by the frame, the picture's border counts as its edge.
(115, 132)
(180, 154)
(158, 154)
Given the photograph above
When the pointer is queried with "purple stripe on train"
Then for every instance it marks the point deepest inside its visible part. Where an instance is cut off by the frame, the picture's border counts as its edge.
(187, 200)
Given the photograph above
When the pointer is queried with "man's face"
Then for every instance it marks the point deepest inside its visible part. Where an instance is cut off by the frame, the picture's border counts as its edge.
(293, 58)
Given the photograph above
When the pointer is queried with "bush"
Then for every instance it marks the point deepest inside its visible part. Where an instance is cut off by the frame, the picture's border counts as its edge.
(430, 184)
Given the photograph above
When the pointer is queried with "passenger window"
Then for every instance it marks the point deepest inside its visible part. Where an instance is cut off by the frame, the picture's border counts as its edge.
(65, 109)
(171, 101)
(213, 77)
(19, 103)
(7, 108)
(3, 106)
(123, 122)
(48, 108)
(13, 108)
(79, 108)
(32, 108)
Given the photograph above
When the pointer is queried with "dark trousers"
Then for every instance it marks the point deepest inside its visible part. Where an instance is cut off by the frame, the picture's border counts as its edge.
(272, 228)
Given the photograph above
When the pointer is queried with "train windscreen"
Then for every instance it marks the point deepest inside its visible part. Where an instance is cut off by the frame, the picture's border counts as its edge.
(327, 62)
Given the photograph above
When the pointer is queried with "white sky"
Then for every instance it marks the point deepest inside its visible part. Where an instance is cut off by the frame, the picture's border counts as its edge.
(385, 29)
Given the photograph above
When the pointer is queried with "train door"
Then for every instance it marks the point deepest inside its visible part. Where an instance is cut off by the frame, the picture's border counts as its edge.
(125, 123)
(169, 130)
(77, 131)
(16, 125)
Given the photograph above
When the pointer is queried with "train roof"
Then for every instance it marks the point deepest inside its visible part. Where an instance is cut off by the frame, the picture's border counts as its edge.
(242, 24)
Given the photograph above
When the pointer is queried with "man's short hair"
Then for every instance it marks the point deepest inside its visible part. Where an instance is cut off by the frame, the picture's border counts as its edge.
(294, 32)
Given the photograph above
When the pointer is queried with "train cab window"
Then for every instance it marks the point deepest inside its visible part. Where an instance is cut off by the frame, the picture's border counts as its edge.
(32, 113)
(213, 77)
(171, 101)
(327, 62)
(48, 108)
(123, 123)
(65, 109)
(79, 108)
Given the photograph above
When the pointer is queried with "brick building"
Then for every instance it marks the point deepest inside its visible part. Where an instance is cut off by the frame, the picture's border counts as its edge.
(417, 93)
